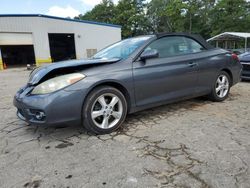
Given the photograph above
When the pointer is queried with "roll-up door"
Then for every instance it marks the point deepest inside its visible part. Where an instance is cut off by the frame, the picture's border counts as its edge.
(16, 39)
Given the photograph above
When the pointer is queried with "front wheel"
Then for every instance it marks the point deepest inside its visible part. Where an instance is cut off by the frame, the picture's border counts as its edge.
(221, 87)
(105, 110)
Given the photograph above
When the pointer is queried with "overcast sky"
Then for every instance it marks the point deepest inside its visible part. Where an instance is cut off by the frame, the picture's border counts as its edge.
(61, 8)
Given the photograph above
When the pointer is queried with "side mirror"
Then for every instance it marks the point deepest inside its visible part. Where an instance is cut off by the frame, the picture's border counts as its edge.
(149, 54)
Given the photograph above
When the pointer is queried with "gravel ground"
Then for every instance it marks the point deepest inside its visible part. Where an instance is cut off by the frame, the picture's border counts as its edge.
(195, 143)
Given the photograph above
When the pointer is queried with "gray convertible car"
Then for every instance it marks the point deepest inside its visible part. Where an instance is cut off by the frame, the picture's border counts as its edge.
(128, 76)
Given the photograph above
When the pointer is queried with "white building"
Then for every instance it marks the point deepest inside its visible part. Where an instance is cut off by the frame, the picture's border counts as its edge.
(38, 39)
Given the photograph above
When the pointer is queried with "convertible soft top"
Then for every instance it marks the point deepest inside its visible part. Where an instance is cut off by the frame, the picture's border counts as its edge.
(196, 37)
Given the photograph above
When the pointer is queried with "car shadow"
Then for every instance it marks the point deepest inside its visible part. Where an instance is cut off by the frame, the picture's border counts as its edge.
(147, 118)
(245, 81)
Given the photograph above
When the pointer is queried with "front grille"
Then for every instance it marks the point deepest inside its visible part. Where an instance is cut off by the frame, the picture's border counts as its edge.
(246, 67)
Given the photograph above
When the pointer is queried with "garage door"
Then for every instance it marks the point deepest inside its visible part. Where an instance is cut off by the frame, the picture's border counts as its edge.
(16, 39)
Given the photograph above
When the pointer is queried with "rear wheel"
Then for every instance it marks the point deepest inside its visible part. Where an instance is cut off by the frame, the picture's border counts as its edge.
(221, 87)
(105, 110)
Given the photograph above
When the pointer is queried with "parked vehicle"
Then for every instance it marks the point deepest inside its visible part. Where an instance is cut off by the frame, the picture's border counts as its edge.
(131, 75)
(245, 61)
(237, 51)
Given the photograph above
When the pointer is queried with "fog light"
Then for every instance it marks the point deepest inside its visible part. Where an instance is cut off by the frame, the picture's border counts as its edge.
(40, 115)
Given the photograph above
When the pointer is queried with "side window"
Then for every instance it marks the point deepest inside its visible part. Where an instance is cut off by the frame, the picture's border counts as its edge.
(175, 45)
(194, 46)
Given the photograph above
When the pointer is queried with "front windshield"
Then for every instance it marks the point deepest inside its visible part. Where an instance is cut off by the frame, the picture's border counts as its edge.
(121, 49)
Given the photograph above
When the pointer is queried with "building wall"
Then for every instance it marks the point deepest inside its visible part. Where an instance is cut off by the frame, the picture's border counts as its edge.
(1, 61)
(87, 36)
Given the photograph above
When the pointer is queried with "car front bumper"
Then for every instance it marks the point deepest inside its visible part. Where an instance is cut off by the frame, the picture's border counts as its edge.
(245, 71)
(61, 107)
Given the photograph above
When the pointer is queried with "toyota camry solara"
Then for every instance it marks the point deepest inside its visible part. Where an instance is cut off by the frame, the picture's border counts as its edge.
(128, 76)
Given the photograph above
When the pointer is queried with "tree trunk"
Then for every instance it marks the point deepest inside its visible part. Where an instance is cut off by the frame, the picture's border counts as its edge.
(190, 23)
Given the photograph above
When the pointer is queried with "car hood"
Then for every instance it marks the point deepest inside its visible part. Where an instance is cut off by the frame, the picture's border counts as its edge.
(39, 73)
(245, 57)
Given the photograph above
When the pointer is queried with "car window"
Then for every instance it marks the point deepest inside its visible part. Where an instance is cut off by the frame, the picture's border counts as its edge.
(122, 49)
(194, 46)
(176, 45)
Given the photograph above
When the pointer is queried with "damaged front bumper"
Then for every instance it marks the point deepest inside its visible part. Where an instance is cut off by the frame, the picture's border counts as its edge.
(60, 107)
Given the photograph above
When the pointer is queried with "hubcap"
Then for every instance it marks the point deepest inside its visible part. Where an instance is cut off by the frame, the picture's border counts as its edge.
(107, 111)
(222, 86)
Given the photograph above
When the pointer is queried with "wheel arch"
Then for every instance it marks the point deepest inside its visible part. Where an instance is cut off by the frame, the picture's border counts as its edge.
(230, 74)
(118, 86)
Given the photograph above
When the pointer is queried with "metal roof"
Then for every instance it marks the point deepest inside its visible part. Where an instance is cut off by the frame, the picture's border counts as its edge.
(229, 35)
(60, 18)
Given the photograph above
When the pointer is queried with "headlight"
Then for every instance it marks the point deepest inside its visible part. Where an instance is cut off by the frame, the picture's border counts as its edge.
(57, 83)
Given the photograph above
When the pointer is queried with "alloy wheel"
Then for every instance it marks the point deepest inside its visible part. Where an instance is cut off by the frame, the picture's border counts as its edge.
(222, 86)
(107, 111)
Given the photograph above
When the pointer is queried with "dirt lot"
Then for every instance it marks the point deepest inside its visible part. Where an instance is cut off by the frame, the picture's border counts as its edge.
(194, 143)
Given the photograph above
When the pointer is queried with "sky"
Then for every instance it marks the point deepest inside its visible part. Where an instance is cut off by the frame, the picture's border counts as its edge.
(60, 8)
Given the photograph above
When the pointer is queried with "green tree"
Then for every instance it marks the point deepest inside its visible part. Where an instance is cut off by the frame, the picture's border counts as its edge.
(197, 16)
(180, 15)
(205, 17)
(131, 15)
(158, 17)
(230, 15)
(203, 26)
(103, 12)
(176, 12)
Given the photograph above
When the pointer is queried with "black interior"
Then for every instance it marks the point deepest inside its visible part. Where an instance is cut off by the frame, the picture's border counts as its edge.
(18, 55)
(62, 46)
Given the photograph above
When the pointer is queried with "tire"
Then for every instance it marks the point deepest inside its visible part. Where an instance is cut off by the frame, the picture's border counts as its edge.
(104, 110)
(221, 89)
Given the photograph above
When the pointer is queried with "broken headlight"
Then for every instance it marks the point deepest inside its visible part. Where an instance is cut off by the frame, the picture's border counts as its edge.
(57, 83)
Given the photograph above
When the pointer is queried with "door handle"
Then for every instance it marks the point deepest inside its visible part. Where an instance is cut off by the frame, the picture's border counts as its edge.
(192, 64)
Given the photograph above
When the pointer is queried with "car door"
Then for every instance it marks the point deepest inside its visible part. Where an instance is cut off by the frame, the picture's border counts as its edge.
(171, 76)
